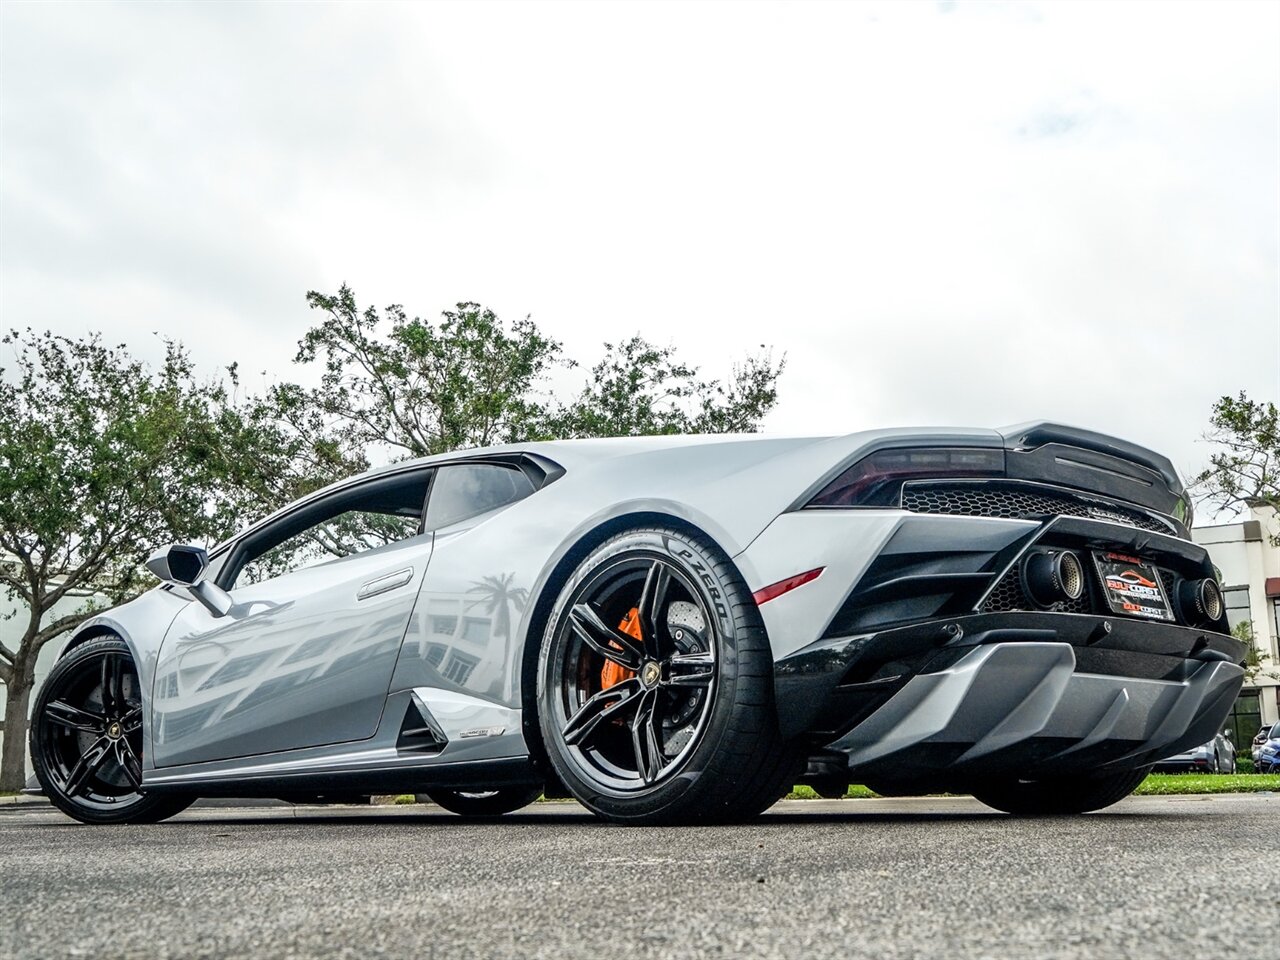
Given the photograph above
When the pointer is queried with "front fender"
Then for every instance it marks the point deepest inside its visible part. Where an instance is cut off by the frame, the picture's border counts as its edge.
(141, 624)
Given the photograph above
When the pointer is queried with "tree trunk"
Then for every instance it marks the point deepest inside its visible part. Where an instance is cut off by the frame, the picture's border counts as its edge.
(17, 704)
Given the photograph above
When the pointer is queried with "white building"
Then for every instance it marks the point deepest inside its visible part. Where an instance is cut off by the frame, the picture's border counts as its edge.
(13, 621)
(1248, 562)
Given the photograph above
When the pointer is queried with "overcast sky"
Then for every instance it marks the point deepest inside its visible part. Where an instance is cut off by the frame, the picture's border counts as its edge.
(955, 213)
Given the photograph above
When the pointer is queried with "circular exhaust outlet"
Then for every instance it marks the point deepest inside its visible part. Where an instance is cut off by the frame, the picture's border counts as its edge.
(1051, 578)
(1201, 600)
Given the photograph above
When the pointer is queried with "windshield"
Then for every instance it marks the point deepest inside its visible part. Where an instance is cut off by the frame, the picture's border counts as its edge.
(1275, 732)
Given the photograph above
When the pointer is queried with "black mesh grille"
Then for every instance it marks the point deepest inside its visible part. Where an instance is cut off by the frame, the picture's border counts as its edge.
(978, 500)
(1009, 595)
(1169, 581)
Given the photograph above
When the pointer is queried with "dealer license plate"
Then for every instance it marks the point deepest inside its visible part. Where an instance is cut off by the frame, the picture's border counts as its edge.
(1131, 586)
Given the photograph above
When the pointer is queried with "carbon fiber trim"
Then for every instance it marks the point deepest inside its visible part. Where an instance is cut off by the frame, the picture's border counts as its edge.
(1024, 707)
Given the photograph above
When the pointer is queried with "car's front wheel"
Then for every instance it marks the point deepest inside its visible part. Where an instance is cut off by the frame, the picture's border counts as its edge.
(655, 685)
(1059, 796)
(86, 738)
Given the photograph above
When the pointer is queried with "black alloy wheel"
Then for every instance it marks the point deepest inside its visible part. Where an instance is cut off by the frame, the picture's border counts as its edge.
(86, 738)
(639, 728)
(655, 685)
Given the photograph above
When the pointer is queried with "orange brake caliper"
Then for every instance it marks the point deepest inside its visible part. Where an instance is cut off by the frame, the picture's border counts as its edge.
(613, 673)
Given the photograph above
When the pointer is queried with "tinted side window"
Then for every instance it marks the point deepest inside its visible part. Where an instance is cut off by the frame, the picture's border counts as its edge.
(373, 514)
(342, 536)
(469, 489)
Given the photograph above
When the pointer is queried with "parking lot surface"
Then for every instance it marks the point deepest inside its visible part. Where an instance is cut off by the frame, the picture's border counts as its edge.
(1151, 877)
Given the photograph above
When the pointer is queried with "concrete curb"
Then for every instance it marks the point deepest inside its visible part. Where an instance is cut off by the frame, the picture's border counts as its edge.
(22, 800)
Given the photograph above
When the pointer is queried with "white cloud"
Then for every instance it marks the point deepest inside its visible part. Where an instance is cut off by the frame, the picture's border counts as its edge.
(968, 213)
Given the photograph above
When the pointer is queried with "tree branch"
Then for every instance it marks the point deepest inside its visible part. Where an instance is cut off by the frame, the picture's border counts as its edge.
(55, 629)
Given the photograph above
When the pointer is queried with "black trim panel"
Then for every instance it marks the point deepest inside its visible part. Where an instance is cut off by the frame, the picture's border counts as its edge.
(475, 774)
(827, 687)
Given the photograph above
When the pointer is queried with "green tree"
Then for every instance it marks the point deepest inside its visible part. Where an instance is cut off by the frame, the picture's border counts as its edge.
(101, 460)
(1256, 662)
(1245, 470)
(414, 388)
(410, 387)
(638, 389)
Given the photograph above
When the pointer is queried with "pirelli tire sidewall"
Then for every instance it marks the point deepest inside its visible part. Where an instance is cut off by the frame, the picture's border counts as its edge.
(743, 685)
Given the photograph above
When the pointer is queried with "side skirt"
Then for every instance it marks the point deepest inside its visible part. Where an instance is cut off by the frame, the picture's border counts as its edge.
(474, 774)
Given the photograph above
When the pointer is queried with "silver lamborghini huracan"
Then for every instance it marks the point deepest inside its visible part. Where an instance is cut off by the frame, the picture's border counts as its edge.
(669, 629)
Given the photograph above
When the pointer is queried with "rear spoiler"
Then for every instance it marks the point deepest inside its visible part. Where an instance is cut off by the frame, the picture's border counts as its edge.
(1095, 461)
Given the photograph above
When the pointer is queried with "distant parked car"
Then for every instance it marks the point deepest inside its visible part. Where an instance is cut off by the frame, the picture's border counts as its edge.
(1268, 731)
(1216, 756)
(1267, 759)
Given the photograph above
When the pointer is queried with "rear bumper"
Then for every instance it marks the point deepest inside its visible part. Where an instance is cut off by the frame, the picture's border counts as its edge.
(1025, 693)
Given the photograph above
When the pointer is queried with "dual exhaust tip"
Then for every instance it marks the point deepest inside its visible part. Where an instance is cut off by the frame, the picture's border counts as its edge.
(1053, 577)
(1201, 601)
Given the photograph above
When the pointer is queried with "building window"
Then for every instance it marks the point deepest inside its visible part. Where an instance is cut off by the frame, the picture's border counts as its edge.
(444, 625)
(435, 654)
(1237, 600)
(459, 668)
(476, 629)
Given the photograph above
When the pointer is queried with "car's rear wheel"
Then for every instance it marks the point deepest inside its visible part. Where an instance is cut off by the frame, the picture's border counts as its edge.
(831, 789)
(482, 803)
(655, 685)
(86, 738)
(1059, 796)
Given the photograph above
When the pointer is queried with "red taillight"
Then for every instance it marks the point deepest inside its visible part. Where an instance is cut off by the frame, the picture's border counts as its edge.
(875, 479)
(765, 594)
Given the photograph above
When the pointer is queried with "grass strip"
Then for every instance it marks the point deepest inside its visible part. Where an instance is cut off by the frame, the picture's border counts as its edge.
(1156, 785)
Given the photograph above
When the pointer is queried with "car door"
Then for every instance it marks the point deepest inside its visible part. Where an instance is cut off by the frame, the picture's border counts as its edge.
(462, 635)
(305, 656)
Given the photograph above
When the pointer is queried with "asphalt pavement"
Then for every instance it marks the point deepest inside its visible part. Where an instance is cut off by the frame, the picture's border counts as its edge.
(1150, 878)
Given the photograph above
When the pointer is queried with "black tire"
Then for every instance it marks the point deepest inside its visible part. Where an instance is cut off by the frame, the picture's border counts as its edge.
(831, 789)
(1060, 796)
(86, 738)
(483, 803)
(709, 657)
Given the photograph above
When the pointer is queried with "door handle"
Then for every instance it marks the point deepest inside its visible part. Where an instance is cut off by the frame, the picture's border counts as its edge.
(383, 584)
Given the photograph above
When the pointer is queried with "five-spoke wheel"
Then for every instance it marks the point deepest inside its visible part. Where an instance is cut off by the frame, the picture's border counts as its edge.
(655, 674)
(86, 737)
(639, 673)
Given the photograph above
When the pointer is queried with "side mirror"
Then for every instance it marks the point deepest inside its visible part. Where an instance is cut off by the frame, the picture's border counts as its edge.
(178, 563)
(183, 564)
